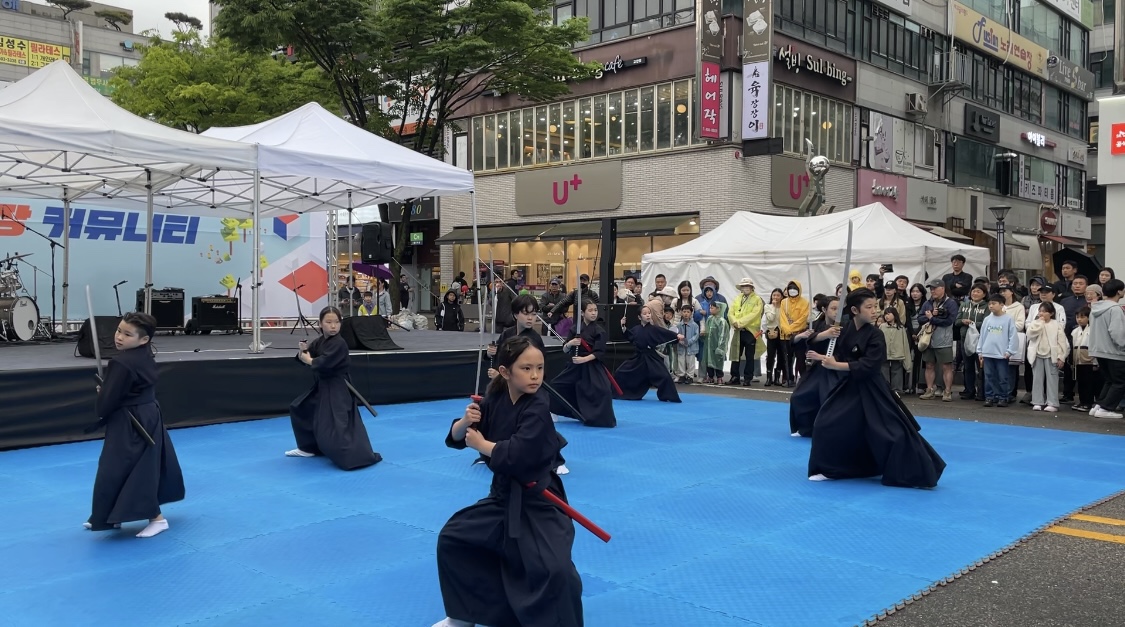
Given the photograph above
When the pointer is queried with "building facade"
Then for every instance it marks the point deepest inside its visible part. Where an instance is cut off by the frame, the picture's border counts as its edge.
(34, 35)
(937, 112)
(1103, 63)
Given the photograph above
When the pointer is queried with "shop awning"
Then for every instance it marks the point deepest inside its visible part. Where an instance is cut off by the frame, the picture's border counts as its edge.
(626, 227)
(1062, 240)
(1007, 240)
(495, 234)
(1028, 257)
(947, 234)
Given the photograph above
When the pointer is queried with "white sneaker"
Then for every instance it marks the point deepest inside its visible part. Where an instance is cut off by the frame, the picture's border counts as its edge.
(819, 477)
(1095, 409)
(298, 453)
(453, 622)
(1037, 408)
(562, 470)
(1105, 413)
(1051, 409)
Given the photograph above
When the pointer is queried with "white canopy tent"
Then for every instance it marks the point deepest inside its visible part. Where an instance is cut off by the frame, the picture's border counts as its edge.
(62, 140)
(312, 160)
(773, 250)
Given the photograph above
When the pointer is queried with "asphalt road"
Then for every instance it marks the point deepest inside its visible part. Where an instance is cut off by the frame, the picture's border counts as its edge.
(1072, 575)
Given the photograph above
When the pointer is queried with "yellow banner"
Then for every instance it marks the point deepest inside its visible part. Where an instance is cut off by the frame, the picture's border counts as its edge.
(997, 40)
(32, 54)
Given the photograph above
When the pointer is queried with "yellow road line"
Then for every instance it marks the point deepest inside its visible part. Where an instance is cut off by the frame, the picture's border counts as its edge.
(1099, 519)
(1089, 535)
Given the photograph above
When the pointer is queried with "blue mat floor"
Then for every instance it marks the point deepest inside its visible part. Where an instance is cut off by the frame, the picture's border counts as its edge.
(713, 520)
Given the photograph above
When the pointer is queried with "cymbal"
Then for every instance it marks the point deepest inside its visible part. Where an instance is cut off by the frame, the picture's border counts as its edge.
(15, 257)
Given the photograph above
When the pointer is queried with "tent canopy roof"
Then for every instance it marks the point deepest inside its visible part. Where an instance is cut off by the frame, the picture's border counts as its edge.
(56, 131)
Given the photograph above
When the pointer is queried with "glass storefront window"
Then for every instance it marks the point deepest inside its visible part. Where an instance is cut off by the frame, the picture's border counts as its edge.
(1075, 183)
(974, 165)
(656, 117)
(1040, 24)
(826, 121)
(1039, 170)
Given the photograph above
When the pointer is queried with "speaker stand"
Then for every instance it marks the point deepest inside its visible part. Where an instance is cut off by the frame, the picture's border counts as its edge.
(238, 302)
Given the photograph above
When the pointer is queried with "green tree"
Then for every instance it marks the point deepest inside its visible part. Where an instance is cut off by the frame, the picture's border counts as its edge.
(183, 21)
(69, 6)
(191, 85)
(115, 18)
(431, 58)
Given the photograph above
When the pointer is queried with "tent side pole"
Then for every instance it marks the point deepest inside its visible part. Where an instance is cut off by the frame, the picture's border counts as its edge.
(66, 261)
(148, 244)
(351, 259)
(255, 286)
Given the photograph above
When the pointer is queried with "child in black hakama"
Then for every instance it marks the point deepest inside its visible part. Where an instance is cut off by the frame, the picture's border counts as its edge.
(863, 429)
(325, 419)
(814, 387)
(506, 560)
(646, 368)
(524, 311)
(134, 477)
(586, 384)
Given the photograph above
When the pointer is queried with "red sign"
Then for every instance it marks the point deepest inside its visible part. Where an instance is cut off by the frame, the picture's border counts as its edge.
(1048, 221)
(1117, 139)
(709, 101)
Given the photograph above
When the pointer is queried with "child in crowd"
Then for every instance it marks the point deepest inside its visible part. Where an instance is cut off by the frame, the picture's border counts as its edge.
(995, 347)
(1046, 352)
(897, 366)
(683, 357)
(716, 343)
(449, 316)
(1086, 375)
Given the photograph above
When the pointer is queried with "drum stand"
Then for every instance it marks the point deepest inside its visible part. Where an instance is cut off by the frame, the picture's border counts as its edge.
(52, 334)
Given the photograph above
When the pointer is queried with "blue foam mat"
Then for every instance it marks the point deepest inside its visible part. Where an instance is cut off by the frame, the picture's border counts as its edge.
(714, 522)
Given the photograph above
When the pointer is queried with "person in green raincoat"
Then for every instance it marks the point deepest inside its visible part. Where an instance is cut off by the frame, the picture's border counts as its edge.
(716, 342)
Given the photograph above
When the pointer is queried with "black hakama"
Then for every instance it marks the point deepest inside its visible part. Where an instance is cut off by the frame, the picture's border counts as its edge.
(863, 429)
(815, 385)
(505, 561)
(326, 419)
(646, 368)
(134, 477)
(586, 387)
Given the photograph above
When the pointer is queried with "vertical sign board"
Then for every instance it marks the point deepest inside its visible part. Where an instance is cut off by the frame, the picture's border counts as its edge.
(709, 40)
(757, 53)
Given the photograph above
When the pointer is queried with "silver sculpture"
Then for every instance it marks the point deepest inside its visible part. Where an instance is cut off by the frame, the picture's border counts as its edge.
(817, 167)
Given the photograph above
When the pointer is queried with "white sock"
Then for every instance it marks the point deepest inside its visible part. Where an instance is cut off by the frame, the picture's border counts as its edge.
(562, 470)
(153, 528)
(298, 453)
(554, 417)
(819, 477)
(453, 622)
(795, 435)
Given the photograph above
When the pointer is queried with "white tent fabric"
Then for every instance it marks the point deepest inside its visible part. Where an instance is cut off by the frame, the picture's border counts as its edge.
(773, 250)
(312, 160)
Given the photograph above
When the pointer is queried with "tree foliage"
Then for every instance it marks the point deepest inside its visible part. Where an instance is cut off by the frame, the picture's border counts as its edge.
(115, 18)
(193, 86)
(69, 6)
(183, 21)
(428, 58)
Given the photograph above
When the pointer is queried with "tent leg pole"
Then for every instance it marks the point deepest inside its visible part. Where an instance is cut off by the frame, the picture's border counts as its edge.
(256, 284)
(66, 263)
(148, 245)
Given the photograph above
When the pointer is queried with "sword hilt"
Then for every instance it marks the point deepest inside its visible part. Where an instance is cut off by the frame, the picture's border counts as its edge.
(831, 347)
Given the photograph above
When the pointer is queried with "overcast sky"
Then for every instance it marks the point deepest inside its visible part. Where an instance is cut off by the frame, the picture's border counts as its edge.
(150, 13)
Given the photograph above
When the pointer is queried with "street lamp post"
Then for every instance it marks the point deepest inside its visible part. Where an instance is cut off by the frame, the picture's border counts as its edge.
(1000, 212)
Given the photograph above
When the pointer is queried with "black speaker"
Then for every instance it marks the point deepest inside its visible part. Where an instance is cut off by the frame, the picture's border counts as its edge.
(106, 326)
(377, 244)
(611, 316)
(167, 307)
(367, 333)
(214, 313)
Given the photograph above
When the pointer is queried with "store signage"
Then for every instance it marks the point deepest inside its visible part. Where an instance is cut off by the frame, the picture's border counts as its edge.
(31, 54)
(1077, 154)
(425, 209)
(757, 31)
(982, 124)
(1073, 203)
(569, 189)
(1033, 190)
(1048, 221)
(755, 100)
(789, 181)
(11, 5)
(998, 40)
(1074, 225)
(709, 41)
(795, 61)
(881, 187)
(1064, 73)
(899, 6)
(1117, 147)
(927, 201)
(416, 238)
(1038, 139)
(618, 64)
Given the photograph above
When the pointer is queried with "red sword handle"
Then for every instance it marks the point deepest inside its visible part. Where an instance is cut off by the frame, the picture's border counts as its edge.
(573, 514)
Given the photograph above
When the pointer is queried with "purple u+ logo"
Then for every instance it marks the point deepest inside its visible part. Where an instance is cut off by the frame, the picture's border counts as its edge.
(567, 185)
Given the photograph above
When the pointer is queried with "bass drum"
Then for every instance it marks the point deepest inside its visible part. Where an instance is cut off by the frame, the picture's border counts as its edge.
(20, 317)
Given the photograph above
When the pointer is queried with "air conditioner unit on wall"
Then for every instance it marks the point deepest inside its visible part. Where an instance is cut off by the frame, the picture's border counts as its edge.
(916, 104)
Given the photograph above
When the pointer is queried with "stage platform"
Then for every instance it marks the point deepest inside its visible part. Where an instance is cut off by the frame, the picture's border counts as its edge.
(47, 393)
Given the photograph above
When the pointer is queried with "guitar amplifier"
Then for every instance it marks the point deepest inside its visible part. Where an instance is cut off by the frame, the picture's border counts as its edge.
(214, 313)
(167, 307)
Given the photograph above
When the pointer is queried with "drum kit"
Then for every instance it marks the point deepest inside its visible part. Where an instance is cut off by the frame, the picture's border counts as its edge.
(19, 315)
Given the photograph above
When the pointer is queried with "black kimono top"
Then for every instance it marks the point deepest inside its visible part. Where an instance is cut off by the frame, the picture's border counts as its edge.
(865, 350)
(595, 338)
(530, 334)
(330, 357)
(130, 380)
(647, 337)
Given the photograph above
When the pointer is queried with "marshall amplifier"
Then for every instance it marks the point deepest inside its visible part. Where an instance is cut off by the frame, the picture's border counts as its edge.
(167, 308)
(214, 313)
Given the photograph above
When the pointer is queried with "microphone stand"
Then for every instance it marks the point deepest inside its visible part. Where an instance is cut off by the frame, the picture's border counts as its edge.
(302, 321)
(118, 294)
(238, 305)
(53, 244)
